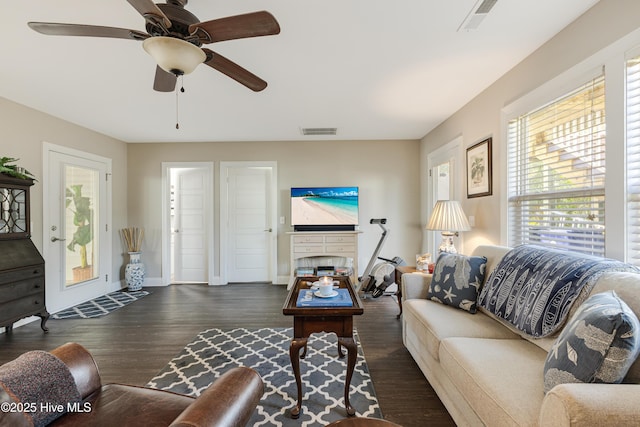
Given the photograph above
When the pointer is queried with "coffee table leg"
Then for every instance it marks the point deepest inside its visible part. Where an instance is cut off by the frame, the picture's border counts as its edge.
(351, 347)
(294, 355)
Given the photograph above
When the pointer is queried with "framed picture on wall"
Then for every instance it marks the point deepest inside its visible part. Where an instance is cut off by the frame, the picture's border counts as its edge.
(479, 172)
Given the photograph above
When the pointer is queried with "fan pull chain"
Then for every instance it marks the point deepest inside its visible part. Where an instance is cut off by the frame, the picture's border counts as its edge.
(177, 105)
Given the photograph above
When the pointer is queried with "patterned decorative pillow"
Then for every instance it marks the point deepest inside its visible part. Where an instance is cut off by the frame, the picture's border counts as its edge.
(534, 287)
(457, 280)
(598, 345)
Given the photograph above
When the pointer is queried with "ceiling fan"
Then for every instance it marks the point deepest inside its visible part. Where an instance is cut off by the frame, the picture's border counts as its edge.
(174, 38)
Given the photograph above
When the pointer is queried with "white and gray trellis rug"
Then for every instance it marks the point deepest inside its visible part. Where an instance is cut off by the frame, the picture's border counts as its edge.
(266, 350)
(100, 306)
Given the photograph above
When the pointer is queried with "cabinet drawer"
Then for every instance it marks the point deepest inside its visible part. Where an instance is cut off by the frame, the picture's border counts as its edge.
(341, 248)
(341, 239)
(21, 307)
(307, 239)
(306, 249)
(20, 289)
(21, 274)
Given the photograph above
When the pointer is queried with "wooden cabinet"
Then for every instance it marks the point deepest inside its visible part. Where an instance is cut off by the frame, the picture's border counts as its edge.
(21, 265)
(322, 245)
(21, 283)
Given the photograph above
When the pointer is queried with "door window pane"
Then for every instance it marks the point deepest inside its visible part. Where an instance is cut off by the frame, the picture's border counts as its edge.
(81, 198)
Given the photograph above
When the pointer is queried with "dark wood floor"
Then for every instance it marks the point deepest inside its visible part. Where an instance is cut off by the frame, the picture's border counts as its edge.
(133, 344)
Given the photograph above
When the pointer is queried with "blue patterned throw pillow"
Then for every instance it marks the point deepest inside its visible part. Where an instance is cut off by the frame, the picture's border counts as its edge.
(598, 345)
(457, 280)
(534, 287)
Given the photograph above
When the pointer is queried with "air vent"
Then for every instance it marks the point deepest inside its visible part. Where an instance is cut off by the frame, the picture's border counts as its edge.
(478, 12)
(319, 131)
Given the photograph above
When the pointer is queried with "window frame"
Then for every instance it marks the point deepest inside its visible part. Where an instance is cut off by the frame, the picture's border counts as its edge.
(557, 229)
(613, 58)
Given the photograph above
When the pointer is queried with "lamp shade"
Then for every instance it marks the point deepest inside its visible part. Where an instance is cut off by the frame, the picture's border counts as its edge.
(448, 215)
(174, 55)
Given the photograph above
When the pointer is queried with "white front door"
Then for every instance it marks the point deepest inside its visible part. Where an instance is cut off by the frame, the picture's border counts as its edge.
(77, 240)
(249, 229)
(190, 249)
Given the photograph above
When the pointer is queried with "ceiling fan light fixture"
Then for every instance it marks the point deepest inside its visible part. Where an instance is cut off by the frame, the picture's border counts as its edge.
(174, 55)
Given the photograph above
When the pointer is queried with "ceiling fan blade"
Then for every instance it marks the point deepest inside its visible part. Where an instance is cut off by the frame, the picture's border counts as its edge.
(164, 82)
(233, 70)
(150, 11)
(54, 29)
(253, 24)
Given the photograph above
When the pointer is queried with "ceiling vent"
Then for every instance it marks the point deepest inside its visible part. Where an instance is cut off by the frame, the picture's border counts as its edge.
(478, 12)
(319, 131)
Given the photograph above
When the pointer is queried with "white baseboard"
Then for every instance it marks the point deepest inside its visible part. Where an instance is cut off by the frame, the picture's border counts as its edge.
(157, 281)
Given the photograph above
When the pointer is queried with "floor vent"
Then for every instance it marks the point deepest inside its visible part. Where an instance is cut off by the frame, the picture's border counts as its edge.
(477, 14)
(319, 131)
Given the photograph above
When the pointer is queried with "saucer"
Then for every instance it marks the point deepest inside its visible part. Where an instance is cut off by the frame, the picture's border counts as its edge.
(333, 294)
(316, 285)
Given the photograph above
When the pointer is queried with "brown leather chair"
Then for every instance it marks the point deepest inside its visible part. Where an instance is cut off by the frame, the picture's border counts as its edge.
(229, 401)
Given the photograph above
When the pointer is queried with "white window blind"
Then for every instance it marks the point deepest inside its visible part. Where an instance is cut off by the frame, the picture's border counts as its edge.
(556, 172)
(633, 160)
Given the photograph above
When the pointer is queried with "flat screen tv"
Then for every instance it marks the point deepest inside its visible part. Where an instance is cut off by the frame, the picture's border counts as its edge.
(324, 208)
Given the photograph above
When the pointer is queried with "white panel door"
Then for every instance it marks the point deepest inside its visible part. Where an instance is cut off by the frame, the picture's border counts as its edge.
(249, 224)
(77, 242)
(189, 226)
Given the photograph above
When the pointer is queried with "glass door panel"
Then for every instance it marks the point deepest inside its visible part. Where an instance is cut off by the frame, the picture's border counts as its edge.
(82, 198)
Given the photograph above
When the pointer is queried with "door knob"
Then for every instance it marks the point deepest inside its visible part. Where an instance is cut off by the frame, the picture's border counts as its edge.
(55, 239)
(269, 230)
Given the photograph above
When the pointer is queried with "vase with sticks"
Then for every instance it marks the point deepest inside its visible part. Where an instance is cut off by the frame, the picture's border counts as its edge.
(134, 271)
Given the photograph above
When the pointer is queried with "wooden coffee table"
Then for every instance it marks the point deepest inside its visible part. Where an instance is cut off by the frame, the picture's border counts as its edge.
(309, 320)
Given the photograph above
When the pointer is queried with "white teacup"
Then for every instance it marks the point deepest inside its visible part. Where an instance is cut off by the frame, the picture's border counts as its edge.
(325, 286)
(325, 289)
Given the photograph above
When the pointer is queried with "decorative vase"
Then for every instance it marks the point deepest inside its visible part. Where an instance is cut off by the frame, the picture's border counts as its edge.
(134, 272)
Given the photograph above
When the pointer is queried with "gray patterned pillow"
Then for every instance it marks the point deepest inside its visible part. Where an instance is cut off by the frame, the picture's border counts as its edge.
(598, 345)
(457, 280)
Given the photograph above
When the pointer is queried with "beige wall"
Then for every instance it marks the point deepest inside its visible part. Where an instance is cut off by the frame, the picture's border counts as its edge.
(606, 22)
(387, 173)
(22, 133)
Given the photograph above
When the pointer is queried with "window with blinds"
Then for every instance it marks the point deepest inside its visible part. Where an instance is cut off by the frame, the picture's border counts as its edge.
(556, 172)
(633, 159)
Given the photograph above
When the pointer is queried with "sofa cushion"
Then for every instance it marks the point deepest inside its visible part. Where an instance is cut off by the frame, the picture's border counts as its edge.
(127, 405)
(457, 280)
(437, 322)
(500, 378)
(598, 345)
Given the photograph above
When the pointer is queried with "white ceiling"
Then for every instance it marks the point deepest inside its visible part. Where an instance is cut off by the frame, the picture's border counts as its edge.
(375, 69)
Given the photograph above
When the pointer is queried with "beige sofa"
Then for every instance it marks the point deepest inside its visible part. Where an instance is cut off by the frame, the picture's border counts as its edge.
(487, 373)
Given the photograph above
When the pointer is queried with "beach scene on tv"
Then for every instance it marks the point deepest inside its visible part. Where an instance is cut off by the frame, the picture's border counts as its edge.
(324, 206)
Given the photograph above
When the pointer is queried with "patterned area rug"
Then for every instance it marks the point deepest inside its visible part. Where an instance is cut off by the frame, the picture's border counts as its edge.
(100, 306)
(266, 350)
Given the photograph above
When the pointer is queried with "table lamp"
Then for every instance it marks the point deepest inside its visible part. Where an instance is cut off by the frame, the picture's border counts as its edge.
(448, 217)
